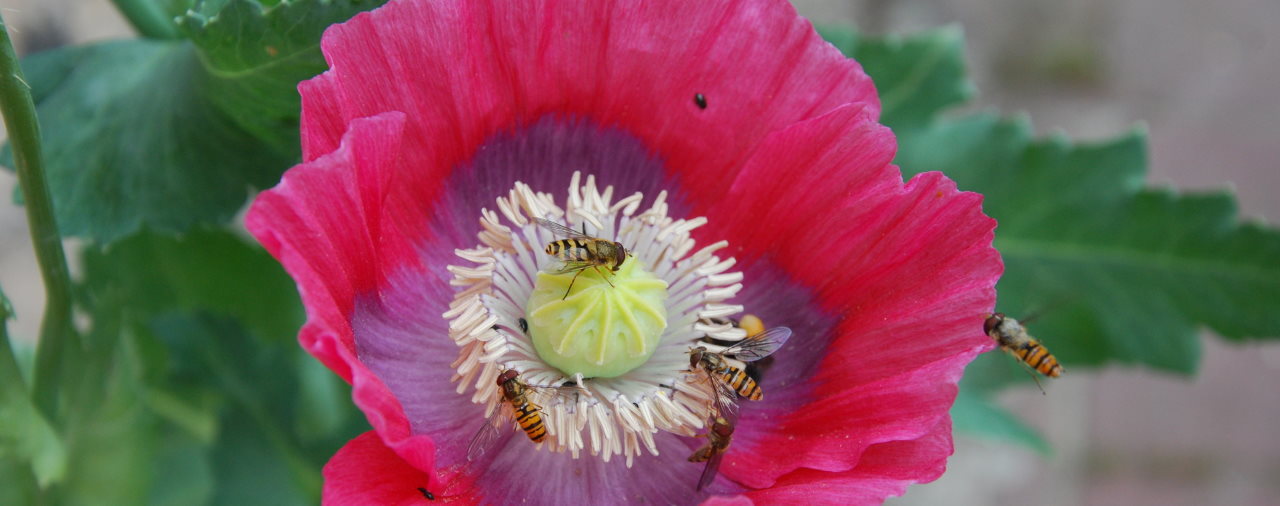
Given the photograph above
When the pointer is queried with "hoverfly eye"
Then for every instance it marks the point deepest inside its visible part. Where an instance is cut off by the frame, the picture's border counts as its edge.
(991, 323)
(722, 428)
(506, 376)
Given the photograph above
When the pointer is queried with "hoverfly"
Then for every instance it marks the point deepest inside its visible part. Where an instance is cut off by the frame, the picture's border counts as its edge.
(1014, 339)
(580, 252)
(516, 393)
(717, 443)
(727, 379)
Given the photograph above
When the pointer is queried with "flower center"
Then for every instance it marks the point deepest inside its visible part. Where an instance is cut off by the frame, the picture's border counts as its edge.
(604, 365)
(583, 322)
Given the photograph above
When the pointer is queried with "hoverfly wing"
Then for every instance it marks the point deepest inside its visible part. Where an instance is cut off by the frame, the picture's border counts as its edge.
(760, 345)
(572, 266)
(709, 471)
(560, 230)
(723, 393)
(482, 441)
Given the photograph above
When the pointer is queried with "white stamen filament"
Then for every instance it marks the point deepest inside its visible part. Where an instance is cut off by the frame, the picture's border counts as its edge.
(602, 416)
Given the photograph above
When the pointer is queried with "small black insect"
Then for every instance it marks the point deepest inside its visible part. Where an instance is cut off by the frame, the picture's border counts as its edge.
(700, 100)
(524, 325)
(427, 493)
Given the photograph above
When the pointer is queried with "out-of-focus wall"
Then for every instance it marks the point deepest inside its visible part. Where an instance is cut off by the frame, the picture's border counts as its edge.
(1203, 77)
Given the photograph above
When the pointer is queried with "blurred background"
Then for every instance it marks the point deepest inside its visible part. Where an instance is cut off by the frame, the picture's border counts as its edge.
(1201, 76)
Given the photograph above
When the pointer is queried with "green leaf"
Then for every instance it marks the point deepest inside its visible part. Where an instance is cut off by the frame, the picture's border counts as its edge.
(249, 471)
(26, 436)
(256, 57)
(184, 472)
(130, 140)
(215, 321)
(1118, 272)
(259, 457)
(1115, 271)
(17, 485)
(170, 134)
(208, 270)
(917, 77)
(113, 439)
(977, 415)
(1121, 273)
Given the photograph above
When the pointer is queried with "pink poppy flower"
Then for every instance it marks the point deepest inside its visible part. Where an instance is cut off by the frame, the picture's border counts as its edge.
(732, 151)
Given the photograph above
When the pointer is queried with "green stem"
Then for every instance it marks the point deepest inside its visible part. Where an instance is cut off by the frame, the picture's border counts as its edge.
(10, 375)
(56, 331)
(148, 18)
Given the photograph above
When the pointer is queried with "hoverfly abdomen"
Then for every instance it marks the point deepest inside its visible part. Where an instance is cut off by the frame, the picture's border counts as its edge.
(742, 383)
(1038, 357)
(530, 420)
(571, 250)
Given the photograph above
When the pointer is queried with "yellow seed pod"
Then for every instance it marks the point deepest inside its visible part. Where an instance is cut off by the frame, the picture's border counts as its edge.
(602, 328)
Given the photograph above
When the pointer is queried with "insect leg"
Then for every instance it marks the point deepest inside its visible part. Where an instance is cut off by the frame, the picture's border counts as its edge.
(571, 282)
(603, 275)
(1030, 372)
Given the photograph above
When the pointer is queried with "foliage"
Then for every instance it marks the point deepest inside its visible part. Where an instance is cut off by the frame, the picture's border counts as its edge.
(1115, 271)
(170, 134)
(190, 387)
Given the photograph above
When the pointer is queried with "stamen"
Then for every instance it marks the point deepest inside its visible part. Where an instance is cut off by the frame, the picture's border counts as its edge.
(602, 416)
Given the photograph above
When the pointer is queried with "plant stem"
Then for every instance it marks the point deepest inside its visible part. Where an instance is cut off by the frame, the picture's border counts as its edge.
(148, 18)
(56, 331)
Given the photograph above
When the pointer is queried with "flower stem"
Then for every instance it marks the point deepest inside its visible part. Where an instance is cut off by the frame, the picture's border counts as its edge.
(148, 18)
(56, 331)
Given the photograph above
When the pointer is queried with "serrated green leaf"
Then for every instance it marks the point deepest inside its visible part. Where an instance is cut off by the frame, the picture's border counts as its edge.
(1122, 273)
(917, 77)
(207, 270)
(166, 135)
(257, 55)
(977, 415)
(1118, 272)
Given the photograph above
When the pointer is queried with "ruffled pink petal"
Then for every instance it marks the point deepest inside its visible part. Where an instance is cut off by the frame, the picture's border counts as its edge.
(331, 224)
(832, 432)
(464, 71)
(366, 472)
(909, 267)
(885, 470)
